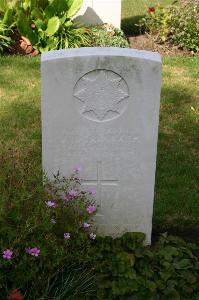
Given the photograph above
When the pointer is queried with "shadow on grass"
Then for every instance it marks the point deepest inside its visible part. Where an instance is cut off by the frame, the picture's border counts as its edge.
(176, 208)
(130, 25)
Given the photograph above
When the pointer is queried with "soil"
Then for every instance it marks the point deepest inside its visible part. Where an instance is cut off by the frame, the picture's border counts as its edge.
(22, 46)
(146, 42)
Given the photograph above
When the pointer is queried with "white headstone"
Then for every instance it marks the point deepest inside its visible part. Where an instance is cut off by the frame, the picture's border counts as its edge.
(100, 12)
(100, 110)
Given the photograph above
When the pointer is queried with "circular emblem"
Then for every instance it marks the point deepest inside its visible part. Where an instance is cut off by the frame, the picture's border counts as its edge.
(101, 95)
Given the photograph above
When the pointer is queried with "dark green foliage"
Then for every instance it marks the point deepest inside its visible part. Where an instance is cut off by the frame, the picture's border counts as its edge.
(108, 36)
(6, 25)
(5, 40)
(177, 23)
(47, 24)
(127, 270)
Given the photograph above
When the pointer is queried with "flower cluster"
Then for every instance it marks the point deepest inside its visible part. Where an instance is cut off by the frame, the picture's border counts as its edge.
(67, 235)
(33, 251)
(73, 193)
(92, 236)
(151, 9)
(66, 205)
(91, 208)
(7, 254)
(71, 197)
(51, 204)
(86, 225)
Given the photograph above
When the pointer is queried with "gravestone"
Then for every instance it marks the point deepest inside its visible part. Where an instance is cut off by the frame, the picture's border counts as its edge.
(99, 12)
(100, 110)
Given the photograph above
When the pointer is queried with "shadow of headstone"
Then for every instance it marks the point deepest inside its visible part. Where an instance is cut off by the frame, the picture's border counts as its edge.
(130, 25)
(89, 17)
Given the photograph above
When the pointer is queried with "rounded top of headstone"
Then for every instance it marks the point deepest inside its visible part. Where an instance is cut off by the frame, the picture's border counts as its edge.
(101, 51)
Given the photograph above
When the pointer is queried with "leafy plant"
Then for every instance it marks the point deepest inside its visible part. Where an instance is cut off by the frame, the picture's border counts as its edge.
(108, 36)
(47, 24)
(178, 24)
(51, 28)
(5, 39)
(72, 36)
(125, 269)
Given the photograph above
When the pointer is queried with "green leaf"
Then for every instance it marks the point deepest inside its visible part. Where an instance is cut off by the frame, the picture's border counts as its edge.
(26, 4)
(165, 275)
(40, 24)
(8, 17)
(66, 44)
(75, 6)
(183, 264)
(63, 19)
(25, 28)
(36, 13)
(151, 285)
(53, 26)
(56, 8)
(3, 5)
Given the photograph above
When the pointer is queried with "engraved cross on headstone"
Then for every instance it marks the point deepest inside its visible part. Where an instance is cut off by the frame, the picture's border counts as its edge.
(99, 183)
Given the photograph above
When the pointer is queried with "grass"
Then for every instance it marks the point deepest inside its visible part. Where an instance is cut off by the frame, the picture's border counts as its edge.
(176, 195)
(20, 143)
(133, 10)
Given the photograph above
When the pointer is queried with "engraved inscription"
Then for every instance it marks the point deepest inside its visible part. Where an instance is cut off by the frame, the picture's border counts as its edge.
(101, 95)
(100, 183)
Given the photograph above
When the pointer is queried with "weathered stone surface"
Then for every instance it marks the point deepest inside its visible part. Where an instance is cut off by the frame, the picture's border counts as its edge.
(100, 109)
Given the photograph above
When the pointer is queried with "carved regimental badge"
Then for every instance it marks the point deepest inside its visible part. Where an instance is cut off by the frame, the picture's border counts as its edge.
(101, 95)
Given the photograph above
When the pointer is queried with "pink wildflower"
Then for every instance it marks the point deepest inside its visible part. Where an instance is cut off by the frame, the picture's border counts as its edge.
(73, 193)
(91, 208)
(92, 236)
(92, 192)
(7, 254)
(33, 251)
(86, 225)
(65, 199)
(51, 204)
(67, 235)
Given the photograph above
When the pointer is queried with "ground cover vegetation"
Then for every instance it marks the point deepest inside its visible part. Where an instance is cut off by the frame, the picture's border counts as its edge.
(125, 269)
(5, 40)
(23, 204)
(108, 36)
(169, 23)
(133, 11)
(177, 24)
